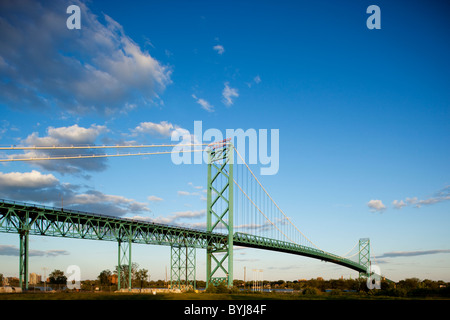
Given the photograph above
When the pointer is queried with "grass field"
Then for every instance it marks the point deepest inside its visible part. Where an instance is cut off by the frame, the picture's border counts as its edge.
(192, 296)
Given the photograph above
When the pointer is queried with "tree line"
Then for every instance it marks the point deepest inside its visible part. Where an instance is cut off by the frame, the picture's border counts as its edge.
(140, 278)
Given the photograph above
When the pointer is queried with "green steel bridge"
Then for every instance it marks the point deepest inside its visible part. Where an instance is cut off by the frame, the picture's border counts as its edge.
(236, 200)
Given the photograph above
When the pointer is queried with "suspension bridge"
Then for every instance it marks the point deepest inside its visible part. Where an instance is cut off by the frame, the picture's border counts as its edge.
(239, 212)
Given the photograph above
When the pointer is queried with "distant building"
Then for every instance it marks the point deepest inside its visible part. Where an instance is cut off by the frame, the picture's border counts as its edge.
(34, 278)
(113, 279)
(12, 280)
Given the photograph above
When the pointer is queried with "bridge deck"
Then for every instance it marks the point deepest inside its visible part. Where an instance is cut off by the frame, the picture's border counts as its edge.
(16, 217)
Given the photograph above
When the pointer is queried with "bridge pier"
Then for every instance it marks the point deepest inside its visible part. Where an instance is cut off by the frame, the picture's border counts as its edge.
(24, 230)
(182, 265)
(23, 260)
(124, 267)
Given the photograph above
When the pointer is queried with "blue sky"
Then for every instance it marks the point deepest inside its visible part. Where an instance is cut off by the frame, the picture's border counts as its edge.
(362, 117)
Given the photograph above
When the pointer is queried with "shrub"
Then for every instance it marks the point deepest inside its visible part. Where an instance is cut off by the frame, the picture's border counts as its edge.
(311, 291)
(336, 292)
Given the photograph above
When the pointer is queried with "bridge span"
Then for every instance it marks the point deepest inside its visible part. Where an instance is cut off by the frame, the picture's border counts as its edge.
(31, 219)
(235, 200)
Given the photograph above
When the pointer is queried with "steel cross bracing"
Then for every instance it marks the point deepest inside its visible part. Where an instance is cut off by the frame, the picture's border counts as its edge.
(183, 267)
(219, 214)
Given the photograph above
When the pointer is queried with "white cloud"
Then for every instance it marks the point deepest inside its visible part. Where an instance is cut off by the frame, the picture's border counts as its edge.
(154, 198)
(193, 186)
(256, 80)
(376, 205)
(187, 193)
(107, 204)
(65, 136)
(189, 214)
(440, 196)
(163, 128)
(97, 69)
(411, 200)
(43, 189)
(203, 103)
(33, 179)
(398, 204)
(174, 218)
(219, 48)
(228, 94)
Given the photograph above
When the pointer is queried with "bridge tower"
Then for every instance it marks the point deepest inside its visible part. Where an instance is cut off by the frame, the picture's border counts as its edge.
(364, 255)
(219, 213)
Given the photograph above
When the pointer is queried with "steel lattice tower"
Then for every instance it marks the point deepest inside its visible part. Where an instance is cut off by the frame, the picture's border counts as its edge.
(364, 255)
(182, 267)
(219, 213)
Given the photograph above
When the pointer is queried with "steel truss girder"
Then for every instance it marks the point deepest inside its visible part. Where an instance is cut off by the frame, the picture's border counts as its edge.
(54, 222)
(29, 219)
(248, 240)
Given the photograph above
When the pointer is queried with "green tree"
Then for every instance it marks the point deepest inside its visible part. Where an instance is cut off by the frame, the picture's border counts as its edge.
(141, 276)
(409, 284)
(124, 271)
(105, 277)
(57, 277)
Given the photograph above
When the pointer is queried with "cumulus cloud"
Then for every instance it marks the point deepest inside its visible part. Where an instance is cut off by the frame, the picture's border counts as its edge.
(376, 205)
(96, 69)
(65, 136)
(398, 204)
(33, 179)
(219, 48)
(163, 128)
(73, 135)
(41, 188)
(204, 104)
(228, 94)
